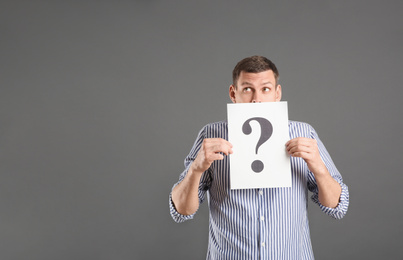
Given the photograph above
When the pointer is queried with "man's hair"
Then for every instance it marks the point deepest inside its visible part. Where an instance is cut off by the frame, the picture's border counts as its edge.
(254, 64)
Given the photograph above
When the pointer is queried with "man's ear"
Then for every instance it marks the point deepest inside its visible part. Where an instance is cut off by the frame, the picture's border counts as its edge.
(232, 93)
(278, 93)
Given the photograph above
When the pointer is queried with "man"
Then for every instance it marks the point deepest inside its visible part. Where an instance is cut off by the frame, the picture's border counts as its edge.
(269, 223)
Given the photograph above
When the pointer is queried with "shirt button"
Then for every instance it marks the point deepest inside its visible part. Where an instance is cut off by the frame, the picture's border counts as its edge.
(261, 218)
(262, 244)
(260, 192)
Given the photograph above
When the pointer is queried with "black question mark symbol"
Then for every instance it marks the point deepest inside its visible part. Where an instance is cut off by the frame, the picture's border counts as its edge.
(265, 133)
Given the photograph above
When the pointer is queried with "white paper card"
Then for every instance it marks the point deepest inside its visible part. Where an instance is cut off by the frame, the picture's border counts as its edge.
(258, 133)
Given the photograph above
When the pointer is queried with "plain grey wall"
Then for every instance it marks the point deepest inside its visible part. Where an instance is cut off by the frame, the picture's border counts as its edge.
(100, 101)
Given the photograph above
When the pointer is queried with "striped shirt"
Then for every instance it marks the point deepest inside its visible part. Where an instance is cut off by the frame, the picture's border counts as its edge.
(269, 223)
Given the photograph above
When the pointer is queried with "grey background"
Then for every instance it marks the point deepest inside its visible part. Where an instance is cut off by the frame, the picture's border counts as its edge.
(100, 101)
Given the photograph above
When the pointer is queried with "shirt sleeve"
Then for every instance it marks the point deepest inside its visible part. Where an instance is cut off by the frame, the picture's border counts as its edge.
(341, 209)
(205, 180)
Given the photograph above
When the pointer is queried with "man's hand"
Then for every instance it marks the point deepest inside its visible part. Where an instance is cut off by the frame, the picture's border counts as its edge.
(212, 149)
(307, 149)
(185, 194)
(329, 189)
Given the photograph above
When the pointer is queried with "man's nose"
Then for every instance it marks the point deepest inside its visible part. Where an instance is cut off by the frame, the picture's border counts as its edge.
(256, 98)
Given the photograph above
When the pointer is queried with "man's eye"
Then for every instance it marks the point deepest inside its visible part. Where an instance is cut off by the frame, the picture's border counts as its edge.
(266, 89)
(246, 89)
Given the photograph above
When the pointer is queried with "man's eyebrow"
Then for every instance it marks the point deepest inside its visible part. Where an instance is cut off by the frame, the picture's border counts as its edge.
(245, 83)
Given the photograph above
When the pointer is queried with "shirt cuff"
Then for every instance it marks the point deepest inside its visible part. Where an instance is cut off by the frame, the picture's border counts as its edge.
(340, 211)
(177, 217)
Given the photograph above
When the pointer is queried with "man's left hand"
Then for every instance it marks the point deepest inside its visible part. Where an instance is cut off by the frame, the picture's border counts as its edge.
(307, 149)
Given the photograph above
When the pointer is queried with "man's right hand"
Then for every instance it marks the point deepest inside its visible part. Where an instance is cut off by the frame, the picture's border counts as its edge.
(185, 194)
(212, 149)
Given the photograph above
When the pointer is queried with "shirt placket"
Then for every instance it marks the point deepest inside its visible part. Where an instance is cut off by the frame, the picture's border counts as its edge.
(262, 225)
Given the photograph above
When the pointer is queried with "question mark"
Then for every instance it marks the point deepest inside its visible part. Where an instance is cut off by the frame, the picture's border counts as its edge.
(265, 133)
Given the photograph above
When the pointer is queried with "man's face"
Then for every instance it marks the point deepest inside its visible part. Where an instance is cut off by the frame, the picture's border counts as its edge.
(255, 88)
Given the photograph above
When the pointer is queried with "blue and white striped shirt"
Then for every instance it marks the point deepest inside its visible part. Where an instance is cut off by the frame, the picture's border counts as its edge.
(270, 223)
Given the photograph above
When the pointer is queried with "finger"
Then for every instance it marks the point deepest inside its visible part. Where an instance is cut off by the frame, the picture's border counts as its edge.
(219, 140)
(226, 146)
(215, 157)
(300, 141)
(300, 149)
(303, 155)
(221, 147)
(300, 144)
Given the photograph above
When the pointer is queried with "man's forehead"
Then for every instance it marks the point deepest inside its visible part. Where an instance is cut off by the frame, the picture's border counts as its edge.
(267, 73)
(246, 78)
